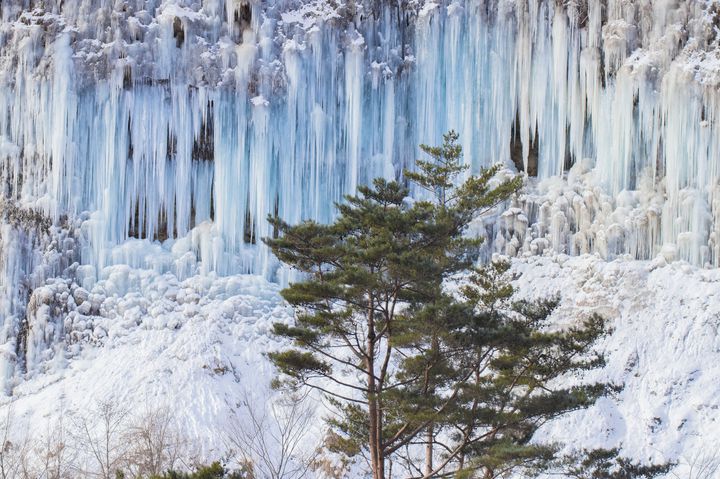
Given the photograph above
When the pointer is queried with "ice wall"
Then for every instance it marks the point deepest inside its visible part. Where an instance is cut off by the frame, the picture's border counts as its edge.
(188, 122)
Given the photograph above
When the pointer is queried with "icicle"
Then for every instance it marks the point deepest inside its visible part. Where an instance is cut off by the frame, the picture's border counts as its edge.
(185, 124)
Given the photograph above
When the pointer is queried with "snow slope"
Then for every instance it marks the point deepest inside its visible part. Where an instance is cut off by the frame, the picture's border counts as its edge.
(196, 346)
(665, 350)
(150, 341)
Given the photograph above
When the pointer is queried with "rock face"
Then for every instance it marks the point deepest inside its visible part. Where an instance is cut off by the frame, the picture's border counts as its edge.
(159, 134)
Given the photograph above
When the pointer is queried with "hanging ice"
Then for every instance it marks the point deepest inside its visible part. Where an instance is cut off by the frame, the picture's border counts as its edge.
(187, 122)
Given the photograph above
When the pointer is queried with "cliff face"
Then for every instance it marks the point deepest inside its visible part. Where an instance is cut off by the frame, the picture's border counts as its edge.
(157, 116)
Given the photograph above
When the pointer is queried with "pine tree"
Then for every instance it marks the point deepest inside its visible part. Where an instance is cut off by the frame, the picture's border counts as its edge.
(406, 362)
(507, 360)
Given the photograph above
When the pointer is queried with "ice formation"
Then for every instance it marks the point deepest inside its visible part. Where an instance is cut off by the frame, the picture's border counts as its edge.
(157, 135)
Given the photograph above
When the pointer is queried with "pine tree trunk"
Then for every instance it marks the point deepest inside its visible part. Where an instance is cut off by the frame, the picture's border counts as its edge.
(375, 426)
(375, 446)
(379, 439)
(429, 451)
(375, 458)
(430, 390)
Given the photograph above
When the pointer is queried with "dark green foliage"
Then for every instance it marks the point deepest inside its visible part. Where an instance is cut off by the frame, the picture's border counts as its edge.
(509, 359)
(213, 471)
(438, 176)
(606, 464)
(412, 369)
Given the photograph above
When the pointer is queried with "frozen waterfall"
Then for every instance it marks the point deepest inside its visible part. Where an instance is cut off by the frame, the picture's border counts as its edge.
(126, 124)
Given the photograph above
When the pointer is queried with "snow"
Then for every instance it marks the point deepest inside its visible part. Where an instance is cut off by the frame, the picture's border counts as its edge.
(147, 339)
(664, 350)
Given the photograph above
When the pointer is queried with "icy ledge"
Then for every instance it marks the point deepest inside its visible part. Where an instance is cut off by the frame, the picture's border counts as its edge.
(196, 346)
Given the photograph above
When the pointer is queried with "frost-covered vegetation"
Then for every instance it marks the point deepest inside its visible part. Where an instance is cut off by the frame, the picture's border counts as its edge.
(108, 441)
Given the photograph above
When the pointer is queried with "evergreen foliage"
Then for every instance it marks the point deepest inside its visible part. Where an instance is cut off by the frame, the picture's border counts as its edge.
(418, 374)
(606, 464)
(213, 471)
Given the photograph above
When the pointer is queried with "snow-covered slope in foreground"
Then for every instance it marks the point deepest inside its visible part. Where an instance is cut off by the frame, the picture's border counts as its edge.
(665, 350)
(197, 345)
